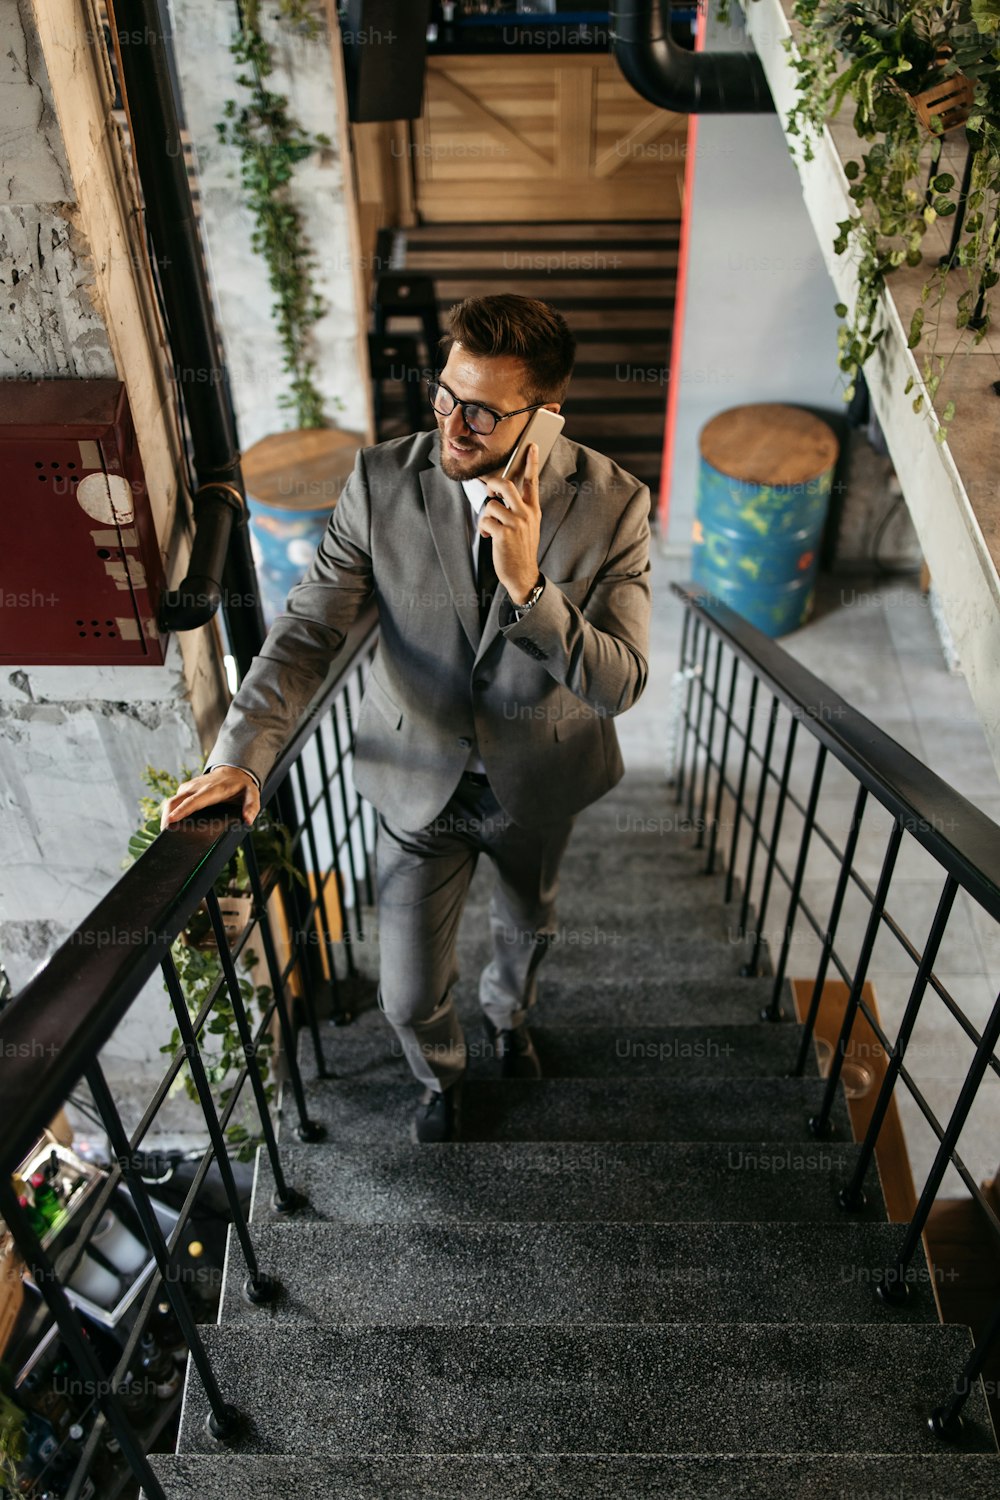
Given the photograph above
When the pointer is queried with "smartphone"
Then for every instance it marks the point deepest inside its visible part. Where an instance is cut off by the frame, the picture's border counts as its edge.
(543, 429)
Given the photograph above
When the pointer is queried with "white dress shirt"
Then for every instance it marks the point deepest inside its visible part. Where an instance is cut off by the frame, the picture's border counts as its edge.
(477, 494)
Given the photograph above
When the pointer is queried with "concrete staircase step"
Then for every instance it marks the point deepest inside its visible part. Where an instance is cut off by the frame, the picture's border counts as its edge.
(509, 1274)
(659, 1476)
(635, 999)
(664, 920)
(369, 1049)
(690, 1388)
(360, 1112)
(569, 1181)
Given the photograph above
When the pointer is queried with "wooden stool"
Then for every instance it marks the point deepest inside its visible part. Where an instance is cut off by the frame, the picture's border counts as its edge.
(401, 295)
(397, 360)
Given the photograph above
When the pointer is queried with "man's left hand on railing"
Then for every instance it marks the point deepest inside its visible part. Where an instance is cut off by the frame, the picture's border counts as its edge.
(220, 784)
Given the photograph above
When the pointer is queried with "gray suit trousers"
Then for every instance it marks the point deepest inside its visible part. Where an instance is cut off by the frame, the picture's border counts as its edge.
(423, 880)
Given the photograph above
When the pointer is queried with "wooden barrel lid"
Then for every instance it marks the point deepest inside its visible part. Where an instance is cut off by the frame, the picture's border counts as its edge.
(301, 470)
(769, 444)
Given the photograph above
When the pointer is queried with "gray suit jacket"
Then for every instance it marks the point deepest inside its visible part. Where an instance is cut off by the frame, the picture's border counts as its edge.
(537, 695)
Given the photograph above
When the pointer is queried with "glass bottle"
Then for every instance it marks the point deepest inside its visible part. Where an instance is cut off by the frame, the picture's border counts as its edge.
(158, 1367)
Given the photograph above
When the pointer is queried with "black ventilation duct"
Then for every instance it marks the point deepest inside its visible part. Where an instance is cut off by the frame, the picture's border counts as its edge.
(692, 83)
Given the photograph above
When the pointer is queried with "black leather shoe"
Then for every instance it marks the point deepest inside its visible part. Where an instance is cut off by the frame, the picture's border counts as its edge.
(438, 1115)
(514, 1051)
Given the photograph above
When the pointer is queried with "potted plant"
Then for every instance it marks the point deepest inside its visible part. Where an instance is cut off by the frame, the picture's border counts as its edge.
(196, 958)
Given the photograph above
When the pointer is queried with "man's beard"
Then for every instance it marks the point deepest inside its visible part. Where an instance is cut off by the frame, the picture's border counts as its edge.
(487, 464)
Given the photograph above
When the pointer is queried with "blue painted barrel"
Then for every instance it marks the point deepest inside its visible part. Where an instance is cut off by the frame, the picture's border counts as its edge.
(763, 491)
(293, 481)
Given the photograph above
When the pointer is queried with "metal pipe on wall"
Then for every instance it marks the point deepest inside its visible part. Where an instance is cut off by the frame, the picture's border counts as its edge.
(221, 569)
(691, 83)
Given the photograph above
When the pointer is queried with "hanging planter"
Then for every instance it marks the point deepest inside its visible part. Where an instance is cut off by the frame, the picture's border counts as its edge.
(945, 105)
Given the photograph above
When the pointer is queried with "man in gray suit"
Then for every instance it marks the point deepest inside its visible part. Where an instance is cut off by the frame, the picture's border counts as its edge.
(486, 722)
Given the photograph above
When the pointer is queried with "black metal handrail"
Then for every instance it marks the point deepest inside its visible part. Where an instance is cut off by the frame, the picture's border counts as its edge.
(961, 839)
(52, 1033)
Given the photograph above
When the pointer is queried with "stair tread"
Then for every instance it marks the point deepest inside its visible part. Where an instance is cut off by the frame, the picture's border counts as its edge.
(366, 1111)
(638, 999)
(603, 1388)
(569, 1181)
(577, 1273)
(660, 1476)
(752, 1050)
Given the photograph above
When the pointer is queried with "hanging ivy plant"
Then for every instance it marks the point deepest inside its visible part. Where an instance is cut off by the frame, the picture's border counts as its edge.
(883, 56)
(271, 143)
(199, 968)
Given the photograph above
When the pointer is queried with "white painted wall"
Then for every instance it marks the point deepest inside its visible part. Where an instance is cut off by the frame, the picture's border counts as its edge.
(758, 313)
(307, 72)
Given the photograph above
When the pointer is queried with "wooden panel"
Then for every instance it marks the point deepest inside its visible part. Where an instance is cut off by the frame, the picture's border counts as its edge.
(535, 139)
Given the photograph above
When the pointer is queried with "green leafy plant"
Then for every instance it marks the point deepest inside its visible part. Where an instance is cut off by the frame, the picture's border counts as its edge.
(271, 143)
(881, 56)
(199, 968)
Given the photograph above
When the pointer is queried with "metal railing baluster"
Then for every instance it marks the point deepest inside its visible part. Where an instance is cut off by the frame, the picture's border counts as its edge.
(328, 806)
(820, 1124)
(723, 758)
(696, 737)
(853, 1195)
(321, 912)
(307, 1130)
(706, 778)
(775, 1010)
(847, 860)
(259, 1286)
(895, 1276)
(285, 1199)
(689, 669)
(946, 1421)
(765, 772)
(224, 1419)
(741, 788)
(779, 810)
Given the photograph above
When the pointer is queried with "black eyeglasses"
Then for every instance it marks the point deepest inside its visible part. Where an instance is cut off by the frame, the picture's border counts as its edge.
(477, 418)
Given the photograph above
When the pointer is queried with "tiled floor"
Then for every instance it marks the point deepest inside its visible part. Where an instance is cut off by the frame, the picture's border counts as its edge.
(875, 643)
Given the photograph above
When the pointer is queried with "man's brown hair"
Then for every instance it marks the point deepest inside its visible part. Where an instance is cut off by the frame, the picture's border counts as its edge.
(521, 327)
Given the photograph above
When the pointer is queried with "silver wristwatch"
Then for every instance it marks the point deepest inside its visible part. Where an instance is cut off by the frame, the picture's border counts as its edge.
(532, 599)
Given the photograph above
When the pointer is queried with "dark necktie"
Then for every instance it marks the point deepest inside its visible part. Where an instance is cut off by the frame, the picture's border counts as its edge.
(486, 578)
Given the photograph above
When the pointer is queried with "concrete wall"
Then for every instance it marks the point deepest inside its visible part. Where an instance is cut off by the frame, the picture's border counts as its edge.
(77, 303)
(758, 313)
(309, 71)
